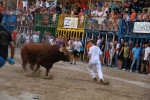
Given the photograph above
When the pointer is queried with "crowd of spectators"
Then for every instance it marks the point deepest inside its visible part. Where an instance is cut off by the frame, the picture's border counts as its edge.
(104, 15)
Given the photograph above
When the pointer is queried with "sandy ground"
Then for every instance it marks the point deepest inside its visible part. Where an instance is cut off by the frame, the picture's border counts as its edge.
(71, 82)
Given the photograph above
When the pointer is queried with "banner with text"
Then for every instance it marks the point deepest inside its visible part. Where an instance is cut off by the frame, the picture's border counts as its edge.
(70, 22)
(141, 27)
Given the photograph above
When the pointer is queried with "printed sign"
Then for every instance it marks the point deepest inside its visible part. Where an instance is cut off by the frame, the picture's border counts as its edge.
(141, 27)
(70, 22)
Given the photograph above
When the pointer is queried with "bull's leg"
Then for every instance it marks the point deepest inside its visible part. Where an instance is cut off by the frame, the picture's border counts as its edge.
(32, 66)
(24, 65)
(37, 68)
(47, 71)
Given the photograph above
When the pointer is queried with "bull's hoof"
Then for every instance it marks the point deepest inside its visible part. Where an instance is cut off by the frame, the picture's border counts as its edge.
(46, 77)
(39, 71)
(32, 74)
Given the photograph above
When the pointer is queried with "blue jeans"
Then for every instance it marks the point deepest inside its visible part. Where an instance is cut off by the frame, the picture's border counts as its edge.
(137, 60)
(2, 61)
(116, 58)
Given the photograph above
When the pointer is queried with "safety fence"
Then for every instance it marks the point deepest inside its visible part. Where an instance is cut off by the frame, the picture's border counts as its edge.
(126, 32)
(12, 22)
(46, 23)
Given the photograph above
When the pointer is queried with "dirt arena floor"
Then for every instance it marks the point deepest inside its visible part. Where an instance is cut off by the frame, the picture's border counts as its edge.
(71, 82)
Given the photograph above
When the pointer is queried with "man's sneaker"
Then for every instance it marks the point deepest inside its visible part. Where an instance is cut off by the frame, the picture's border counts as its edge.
(95, 79)
(124, 69)
(130, 70)
(70, 62)
(104, 82)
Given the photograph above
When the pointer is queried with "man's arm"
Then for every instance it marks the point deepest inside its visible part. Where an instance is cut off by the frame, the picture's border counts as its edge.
(12, 46)
(101, 59)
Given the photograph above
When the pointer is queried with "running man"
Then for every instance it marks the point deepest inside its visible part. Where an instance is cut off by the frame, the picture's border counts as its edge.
(94, 56)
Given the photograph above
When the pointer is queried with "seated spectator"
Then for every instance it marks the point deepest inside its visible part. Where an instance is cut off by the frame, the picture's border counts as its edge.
(144, 16)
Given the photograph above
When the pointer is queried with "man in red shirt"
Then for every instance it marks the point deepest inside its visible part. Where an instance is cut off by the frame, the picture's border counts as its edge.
(84, 5)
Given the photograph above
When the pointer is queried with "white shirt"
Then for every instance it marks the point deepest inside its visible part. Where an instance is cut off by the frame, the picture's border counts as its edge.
(70, 43)
(117, 47)
(147, 51)
(95, 53)
(47, 4)
(51, 41)
(77, 45)
(35, 38)
(100, 14)
(112, 47)
(24, 3)
(99, 41)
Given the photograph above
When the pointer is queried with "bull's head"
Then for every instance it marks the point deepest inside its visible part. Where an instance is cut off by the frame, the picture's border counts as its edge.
(64, 54)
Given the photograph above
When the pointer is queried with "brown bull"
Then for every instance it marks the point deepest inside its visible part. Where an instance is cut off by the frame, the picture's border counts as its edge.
(43, 54)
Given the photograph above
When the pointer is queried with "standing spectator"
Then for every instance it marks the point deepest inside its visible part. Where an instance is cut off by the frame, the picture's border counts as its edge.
(99, 41)
(14, 36)
(18, 40)
(136, 57)
(102, 47)
(100, 14)
(141, 4)
(136, 5)
(58, 41)
(76, 45)
(144, 16)
(47, 4)
(139, 16)
(107, 48)
(5, 40)
(125, 56)
(20, 5)
(120, 54)
(117, 45)
(126, 17)
(27, 38)
(24, 5)
(132, 18)
(112, 52)
(35, 38)
(145, 62)
(131, 46)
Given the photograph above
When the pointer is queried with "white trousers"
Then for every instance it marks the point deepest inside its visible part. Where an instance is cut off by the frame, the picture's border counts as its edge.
(97, 64)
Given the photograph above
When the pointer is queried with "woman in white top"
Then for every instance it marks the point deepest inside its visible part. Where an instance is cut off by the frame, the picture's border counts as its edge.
(27, 37)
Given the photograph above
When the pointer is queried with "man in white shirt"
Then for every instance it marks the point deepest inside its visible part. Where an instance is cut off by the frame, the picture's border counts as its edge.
(94, 56)
(25, 4)
(145, 62)
(76, 45)
(47, 4)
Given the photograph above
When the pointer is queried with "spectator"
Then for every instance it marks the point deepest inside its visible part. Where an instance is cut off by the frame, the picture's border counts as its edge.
(145, 62)
(35, 38)
(144, 16)
(76, 45)
(47, 4)
(14, 36)
(27, 39)
(136, 57)
(1, 7)
(84, 6)
(132, 18)
(120, 54)
(136, 5)
(125, 56)
(112, 52)
(117, 45)
(85, 11)
(20, 4)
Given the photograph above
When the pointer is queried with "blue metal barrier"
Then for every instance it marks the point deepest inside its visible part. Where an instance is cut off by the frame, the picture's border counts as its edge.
(9, 22)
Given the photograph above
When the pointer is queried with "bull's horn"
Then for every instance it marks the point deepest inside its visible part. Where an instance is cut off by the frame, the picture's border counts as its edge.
(65, 53)
(61, 50)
